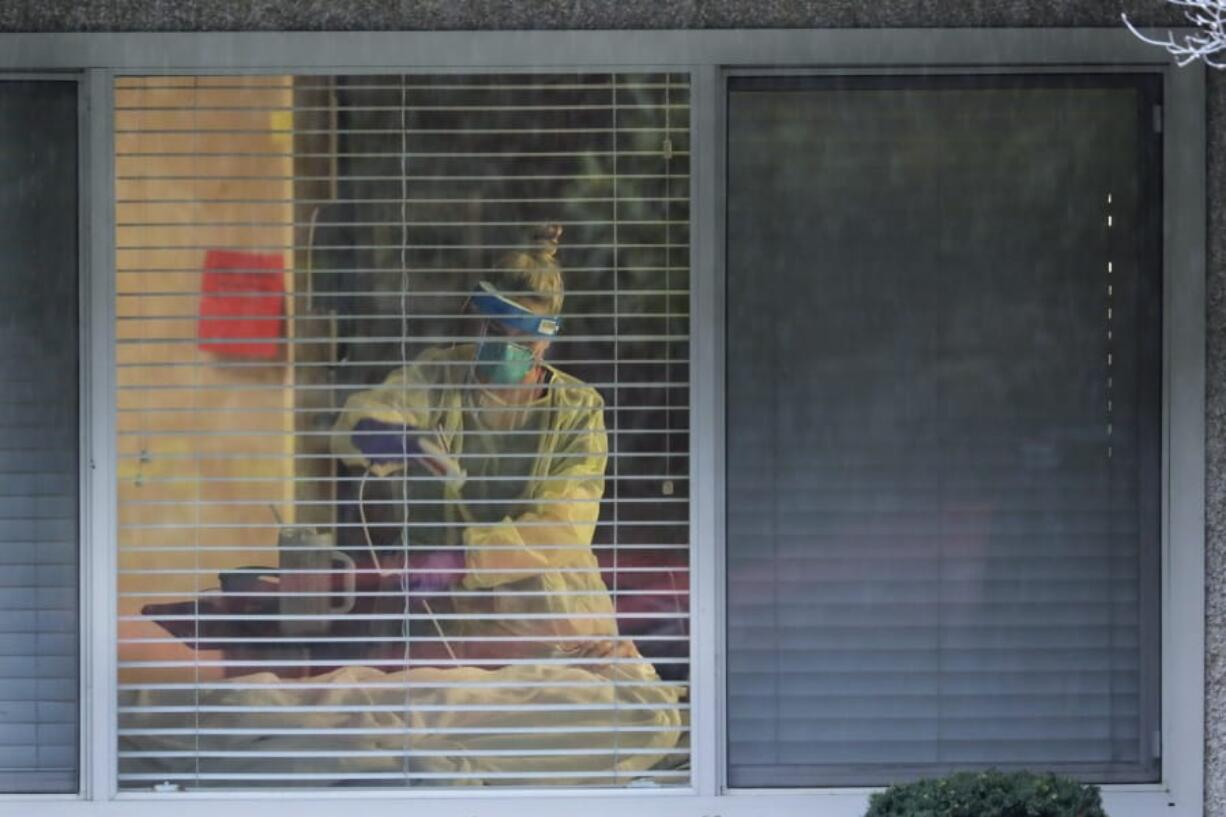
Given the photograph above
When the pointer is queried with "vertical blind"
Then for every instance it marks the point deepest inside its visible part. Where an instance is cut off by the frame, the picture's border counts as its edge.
(297, 258)
(39, 438)
(944, 428)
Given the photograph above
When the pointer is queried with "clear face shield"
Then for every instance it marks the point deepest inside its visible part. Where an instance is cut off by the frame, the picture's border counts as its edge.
(503, 355)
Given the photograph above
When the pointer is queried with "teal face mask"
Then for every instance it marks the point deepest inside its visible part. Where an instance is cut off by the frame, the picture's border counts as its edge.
(504, 363)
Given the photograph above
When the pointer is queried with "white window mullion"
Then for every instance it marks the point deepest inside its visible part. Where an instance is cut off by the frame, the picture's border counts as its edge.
(98, 624)
(1183, 512)
(707, 423)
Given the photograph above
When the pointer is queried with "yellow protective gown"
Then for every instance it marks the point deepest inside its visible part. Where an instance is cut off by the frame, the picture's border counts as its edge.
(527, 512)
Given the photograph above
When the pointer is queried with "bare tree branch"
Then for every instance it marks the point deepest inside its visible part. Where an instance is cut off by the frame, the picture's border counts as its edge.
(1207, 44)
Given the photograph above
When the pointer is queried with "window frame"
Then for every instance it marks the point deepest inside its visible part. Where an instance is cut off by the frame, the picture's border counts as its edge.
(710, 57)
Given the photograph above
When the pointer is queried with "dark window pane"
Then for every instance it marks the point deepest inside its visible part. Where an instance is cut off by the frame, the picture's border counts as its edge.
(38, 437)
(943, 428)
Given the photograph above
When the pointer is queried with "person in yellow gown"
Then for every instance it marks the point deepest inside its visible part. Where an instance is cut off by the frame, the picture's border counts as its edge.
(512, 540)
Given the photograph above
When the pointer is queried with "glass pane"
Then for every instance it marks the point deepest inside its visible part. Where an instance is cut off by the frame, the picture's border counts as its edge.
(403, 430)
(943, 428)
(39, 438)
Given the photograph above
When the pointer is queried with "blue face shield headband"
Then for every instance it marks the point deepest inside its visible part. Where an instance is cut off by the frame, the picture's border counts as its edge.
(506, 362)
(487, 301)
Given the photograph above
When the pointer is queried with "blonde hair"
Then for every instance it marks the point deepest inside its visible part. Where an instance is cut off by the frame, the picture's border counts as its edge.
(532, 276)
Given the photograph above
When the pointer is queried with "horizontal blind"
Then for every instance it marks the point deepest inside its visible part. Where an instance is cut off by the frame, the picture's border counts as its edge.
(297, 258)
(39, 439)
(944, 430)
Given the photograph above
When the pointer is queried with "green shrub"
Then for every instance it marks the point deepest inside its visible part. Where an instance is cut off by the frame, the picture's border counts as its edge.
(989, 794)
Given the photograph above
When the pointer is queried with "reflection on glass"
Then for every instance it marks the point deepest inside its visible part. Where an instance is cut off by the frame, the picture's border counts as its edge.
(403, 431)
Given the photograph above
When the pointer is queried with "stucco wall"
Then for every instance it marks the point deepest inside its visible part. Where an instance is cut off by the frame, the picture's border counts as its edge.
(325, 15)
(359, 15)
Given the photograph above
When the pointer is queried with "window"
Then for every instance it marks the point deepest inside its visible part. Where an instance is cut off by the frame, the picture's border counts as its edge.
(944, 443)
(402, 429)
(39, 438)
(866, 442)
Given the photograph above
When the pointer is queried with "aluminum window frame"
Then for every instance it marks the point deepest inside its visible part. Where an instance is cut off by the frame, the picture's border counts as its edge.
(709, 57)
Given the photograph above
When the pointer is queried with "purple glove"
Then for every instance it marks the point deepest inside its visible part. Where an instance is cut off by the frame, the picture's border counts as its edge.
(435, 571)
(383, 442)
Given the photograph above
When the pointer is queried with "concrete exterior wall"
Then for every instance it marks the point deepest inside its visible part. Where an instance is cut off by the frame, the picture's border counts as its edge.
(358, 15)
(426, 15)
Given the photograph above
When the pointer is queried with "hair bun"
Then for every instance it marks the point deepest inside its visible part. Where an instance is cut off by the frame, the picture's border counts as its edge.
(545, 239)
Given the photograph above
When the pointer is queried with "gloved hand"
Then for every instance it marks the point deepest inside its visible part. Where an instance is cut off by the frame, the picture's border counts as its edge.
(388, 444)
(381, 443)
(434, 571)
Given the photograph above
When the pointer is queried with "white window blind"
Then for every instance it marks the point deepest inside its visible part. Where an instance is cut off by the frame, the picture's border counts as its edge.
(304, 411)
(39, 438)
(944, 428)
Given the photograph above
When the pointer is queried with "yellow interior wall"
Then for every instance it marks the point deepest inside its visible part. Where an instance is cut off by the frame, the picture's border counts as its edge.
(201, 441)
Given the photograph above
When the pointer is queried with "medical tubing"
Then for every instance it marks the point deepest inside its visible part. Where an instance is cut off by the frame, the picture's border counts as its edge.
(404, 582)
(370, 545)
(438, 629)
